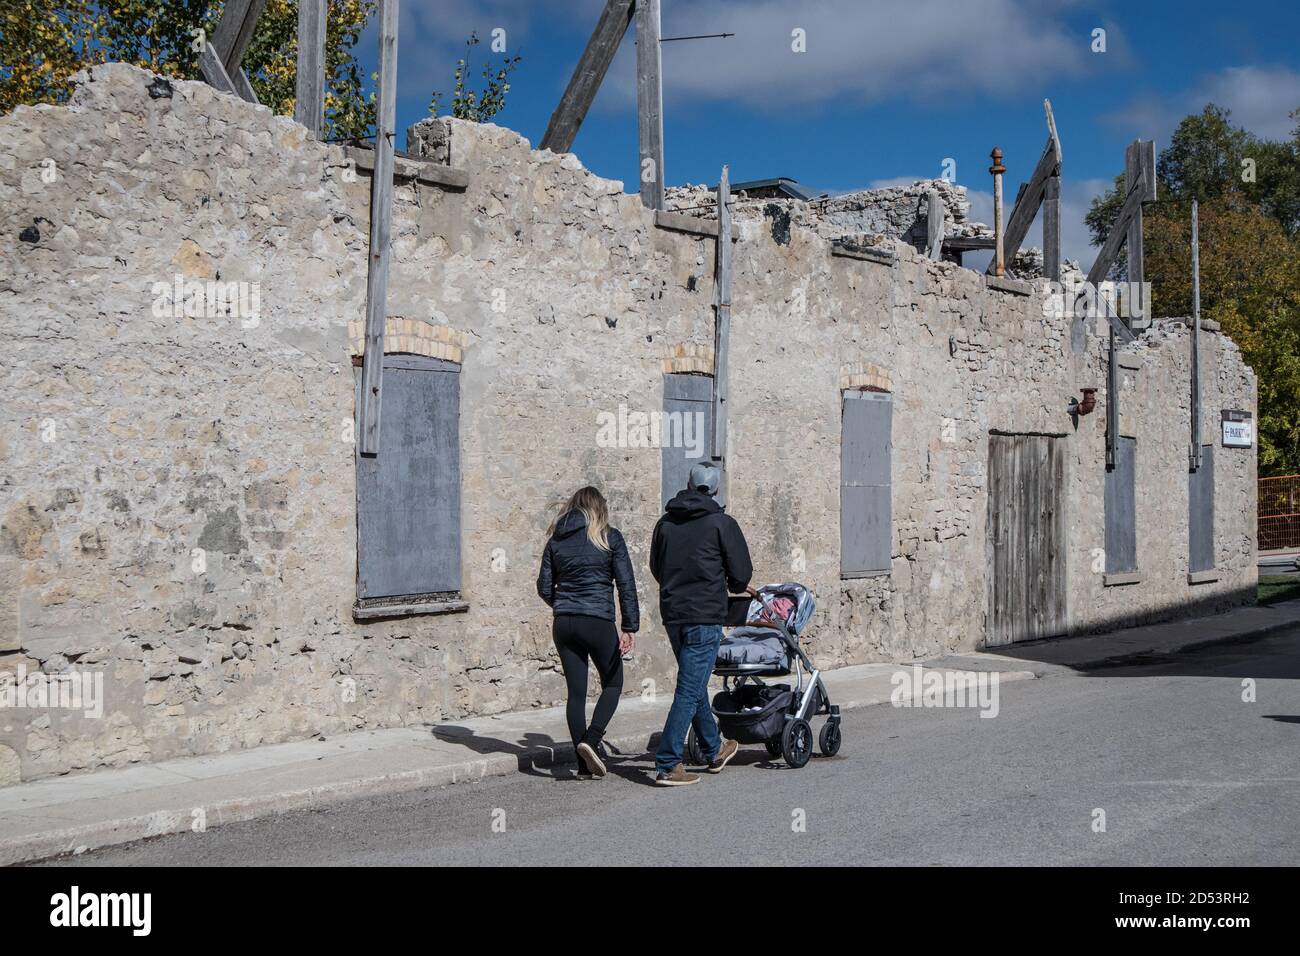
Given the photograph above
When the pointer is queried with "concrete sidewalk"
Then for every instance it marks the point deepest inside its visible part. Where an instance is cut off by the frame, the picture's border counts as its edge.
(68, 814)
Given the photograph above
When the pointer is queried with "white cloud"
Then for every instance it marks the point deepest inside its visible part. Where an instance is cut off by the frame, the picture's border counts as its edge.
(856, 52)
(1260, 98)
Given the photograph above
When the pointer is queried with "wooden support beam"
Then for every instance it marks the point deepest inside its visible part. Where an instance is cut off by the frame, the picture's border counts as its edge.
(1032, 193)
(934, 226)
(695, 225)
(410, 167)
(381, 213)
(233, 33)
(214, 71)
(1027, 203)
(1110, 250)
(849, 250)
(309, 102)
(587, 77)
(722, 327)
(650, 104)
(1052, 228)
(968, 243)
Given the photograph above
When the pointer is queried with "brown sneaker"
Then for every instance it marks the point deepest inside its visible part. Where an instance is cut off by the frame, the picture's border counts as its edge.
(728, 750)
(677, 777)
(592, 759)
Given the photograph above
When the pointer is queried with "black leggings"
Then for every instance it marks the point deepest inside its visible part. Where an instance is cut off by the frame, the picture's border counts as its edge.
(578, 637)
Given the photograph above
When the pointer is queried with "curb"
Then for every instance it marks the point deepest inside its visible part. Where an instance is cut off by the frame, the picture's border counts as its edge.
(77, 839)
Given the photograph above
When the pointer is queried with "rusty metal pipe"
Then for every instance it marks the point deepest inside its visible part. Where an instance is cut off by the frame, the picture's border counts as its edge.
(997, 169)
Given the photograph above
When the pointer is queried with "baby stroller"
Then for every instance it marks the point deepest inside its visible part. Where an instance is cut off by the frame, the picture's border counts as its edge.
(750, 711)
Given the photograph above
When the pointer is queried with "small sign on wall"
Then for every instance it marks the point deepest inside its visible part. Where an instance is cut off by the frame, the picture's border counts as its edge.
(1238, 429)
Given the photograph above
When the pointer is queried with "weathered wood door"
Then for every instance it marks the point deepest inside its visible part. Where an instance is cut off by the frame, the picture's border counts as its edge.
(1027, 538)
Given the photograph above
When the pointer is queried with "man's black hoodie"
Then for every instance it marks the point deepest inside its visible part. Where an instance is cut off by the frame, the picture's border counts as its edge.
(697, 555)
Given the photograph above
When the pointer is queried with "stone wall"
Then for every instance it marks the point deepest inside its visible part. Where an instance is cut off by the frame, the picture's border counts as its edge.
(892, 212)
(177, 493)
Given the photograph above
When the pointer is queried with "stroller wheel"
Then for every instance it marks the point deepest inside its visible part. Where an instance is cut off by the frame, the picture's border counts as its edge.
(829, 740)
(694, 755)
(773, 747)
(797, 742)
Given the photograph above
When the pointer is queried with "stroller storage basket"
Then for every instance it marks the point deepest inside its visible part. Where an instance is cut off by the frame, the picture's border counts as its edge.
(753, 713)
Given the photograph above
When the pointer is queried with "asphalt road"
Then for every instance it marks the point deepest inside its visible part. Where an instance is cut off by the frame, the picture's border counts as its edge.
(1184, 770)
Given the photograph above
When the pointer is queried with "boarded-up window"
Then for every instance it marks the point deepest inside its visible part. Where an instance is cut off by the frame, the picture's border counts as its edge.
(408, 496)
(1121, 509)
(685, 430)
(866, 540)
(1200, 498)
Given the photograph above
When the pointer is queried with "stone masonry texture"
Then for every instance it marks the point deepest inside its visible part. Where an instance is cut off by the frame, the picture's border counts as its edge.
(177, 493)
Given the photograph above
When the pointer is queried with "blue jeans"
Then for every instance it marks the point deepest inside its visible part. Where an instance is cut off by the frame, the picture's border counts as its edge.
(696, 648)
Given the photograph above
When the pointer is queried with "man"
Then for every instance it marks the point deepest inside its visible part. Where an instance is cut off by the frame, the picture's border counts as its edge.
(697, 555)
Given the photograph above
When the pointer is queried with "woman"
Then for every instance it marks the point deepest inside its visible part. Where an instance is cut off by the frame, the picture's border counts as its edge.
(582, 561)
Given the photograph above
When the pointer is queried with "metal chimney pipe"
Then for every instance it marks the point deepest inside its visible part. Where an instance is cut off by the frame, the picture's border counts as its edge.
(997, 169)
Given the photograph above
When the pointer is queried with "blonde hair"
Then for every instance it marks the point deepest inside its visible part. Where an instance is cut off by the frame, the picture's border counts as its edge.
(591, 503)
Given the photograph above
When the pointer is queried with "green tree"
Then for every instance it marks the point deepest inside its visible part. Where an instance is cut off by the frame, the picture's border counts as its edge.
(44, 42)
(1208, 158)
(478, 106)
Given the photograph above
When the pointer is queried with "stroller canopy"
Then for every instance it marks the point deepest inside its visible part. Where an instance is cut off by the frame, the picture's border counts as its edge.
(791, 601)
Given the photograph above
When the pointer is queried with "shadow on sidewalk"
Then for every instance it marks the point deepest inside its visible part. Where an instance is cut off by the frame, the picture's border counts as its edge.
(533, 751)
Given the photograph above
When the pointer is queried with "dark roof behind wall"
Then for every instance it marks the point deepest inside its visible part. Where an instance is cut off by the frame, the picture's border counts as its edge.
(778, 187)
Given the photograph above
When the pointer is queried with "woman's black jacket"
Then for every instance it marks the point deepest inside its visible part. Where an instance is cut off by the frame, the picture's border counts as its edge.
(576, 575)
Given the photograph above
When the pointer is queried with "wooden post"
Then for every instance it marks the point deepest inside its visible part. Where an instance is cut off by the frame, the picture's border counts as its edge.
(1195, 454)
(1133, 240)
(587, 76)
(722, 326)
(381, 214)
(1139, 160)
(997, 169)
(309, 105)
(649, 104)
(1112, 394)
(1052, 228)
(934, 226)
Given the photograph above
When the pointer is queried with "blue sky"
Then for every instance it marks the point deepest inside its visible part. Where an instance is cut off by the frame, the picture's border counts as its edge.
(887, 89)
